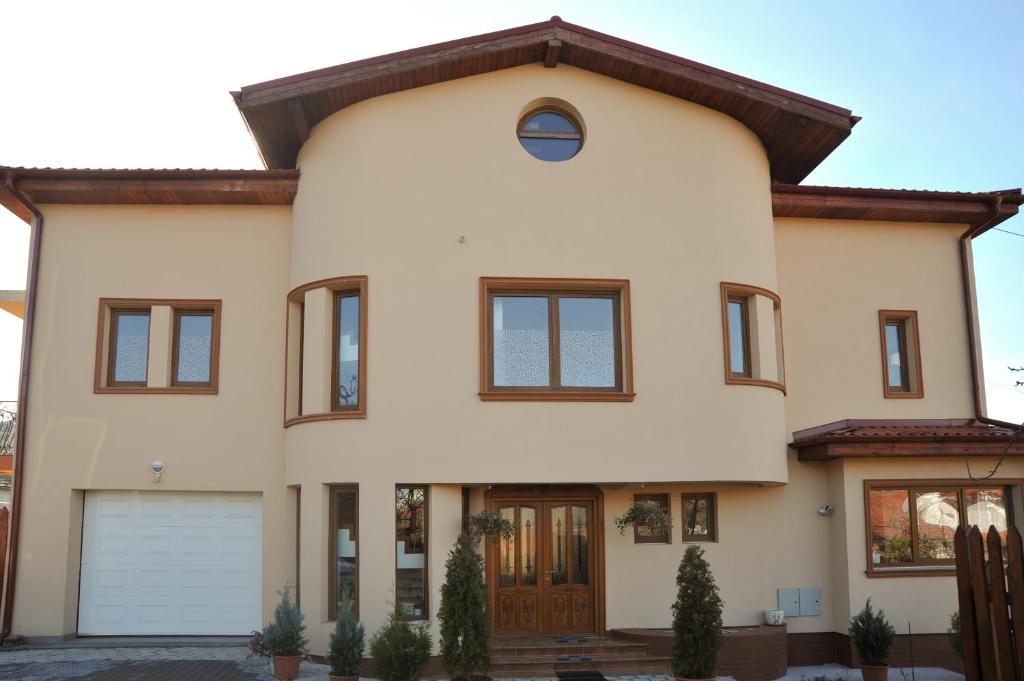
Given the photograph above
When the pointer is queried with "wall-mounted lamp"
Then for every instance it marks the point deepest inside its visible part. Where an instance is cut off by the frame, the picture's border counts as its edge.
(825, 510)
(158, 470)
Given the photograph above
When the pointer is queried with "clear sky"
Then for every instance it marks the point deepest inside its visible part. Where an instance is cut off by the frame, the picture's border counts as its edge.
(136, 84)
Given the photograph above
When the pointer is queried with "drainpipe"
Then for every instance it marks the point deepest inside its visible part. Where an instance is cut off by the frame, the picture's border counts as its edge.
(972, 338)
(26, 353)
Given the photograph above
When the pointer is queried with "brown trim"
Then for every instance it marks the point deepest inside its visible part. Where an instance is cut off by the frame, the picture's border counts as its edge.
(115, 315)
(553, 289)
(426, 616)
(336, 406)
(332, 550)
(108, 307)
(214, 313)
(913, 376)
(712, 499)
(665, 500)
(935, 568)
(728, 290)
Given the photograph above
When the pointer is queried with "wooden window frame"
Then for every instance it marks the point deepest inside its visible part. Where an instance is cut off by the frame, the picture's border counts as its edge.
(744, 303)
(177, 312)
(916, 568)
(553, 290)
(425, 617)
(747, 293)
(332, 550)
(105, 337)
(656, 497)
(712, 535)
(912, 373)
(360, 284)
(548, 108)
(115, 314)
(336, 406)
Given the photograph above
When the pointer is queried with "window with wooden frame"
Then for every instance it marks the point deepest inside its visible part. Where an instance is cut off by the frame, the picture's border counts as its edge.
(348, 389)
(411, 535)
(752, 336)
(550, 134)
(157, 346)
(555, 339)
(643, 534)
(910, 524)
(700, 517)
(901, 354)
(343, 549)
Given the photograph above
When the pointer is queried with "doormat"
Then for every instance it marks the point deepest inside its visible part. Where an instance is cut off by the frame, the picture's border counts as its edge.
(581, 676)
(570, 639)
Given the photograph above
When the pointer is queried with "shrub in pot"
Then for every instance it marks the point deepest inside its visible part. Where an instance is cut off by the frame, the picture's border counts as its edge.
(465, 645)
(696, 619)
(873, 637)
(347, 644)
(400, 650)
(285, 638)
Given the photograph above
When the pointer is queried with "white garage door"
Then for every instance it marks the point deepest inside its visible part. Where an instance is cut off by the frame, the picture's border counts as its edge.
(170, 563)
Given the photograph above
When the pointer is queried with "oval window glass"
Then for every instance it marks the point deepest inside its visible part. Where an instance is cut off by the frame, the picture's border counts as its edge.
(550, 135)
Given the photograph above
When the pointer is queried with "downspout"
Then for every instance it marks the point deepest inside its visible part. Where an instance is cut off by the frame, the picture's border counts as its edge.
(20, 435)
(972, 337)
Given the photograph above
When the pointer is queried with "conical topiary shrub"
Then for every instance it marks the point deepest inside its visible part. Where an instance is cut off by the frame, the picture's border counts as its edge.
(285, 637)
(347, 643)
(465, 646)
(696, 619)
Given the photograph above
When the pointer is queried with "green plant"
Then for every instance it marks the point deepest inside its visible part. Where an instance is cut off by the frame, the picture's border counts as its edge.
(647, 513)
(696, 618)
(348, 640)
(872, 635)
(400, 650)
(465, 645)
(256, 646)
(285, 635)
(956, 637)
(490, 524)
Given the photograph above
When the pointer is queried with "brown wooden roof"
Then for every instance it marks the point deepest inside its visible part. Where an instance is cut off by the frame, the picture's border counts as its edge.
(798, 132)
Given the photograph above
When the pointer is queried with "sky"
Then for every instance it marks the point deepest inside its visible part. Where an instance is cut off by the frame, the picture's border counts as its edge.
(136, 84)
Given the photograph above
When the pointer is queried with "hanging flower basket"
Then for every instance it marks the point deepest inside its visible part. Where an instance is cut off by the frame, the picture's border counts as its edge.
(645, 513)
(490, 524)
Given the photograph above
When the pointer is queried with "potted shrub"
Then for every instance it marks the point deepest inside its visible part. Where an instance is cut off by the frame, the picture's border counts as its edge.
(873, 637)
(465, 644)
(399, 649)
(696, 619)
(645, 513)
(347, 644)
(285, 638)
(490, 524)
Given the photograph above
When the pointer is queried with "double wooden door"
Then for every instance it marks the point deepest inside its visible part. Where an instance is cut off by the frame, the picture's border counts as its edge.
(543, 577)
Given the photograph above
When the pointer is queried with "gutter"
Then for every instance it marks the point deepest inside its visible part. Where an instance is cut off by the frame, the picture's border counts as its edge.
(26, 353)
(969, 297)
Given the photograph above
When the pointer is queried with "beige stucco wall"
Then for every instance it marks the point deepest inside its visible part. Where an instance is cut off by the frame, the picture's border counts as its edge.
(77, 440)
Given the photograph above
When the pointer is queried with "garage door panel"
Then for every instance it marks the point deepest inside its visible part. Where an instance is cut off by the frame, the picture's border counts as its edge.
(170, 563)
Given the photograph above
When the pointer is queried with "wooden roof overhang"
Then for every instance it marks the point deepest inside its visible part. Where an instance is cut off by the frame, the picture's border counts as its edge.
(797, 132)
(916, 438)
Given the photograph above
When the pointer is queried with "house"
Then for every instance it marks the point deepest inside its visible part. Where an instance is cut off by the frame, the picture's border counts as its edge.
(542, 272)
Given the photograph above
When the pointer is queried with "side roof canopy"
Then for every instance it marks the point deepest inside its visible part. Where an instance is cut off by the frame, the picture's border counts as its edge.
(798, 132)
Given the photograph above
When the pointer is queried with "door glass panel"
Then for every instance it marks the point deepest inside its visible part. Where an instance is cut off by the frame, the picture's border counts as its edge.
(559, 546)
(938, 515)
(528, 541)
(507, 564)
(580, 539)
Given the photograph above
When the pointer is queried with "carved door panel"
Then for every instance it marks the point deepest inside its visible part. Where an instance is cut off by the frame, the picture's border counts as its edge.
(516, 573)
(568, 561)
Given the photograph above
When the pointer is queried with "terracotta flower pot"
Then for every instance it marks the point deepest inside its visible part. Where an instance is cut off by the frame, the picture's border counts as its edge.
(286, 668)
(872, 673)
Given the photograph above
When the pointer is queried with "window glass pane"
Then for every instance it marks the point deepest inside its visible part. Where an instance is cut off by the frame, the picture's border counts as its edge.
(521, 341)
(131, 348)
(889, 510)
(737, 337)
(586, 328)
(559, 546)
(528, 538)
(549, 121)
(348, 351)
(986, 507)
(507, 551)
(696, 516)
(195, 345)
(894, 355)
(548, 149)
(410, 551)
(643, 532)
(580, 536)
(346, 549)
(938, 515)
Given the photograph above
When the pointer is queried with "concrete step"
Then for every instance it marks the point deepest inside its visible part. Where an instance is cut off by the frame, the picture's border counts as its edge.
(548, 665)
(550, 648)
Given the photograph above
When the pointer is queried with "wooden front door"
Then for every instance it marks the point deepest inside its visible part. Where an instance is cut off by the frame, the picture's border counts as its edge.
(543, 578)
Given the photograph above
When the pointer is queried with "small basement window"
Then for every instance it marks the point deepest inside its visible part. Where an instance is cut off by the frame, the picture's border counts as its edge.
(550, 134)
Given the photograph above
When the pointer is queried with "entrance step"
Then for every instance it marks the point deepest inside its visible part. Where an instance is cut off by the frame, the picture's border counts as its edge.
(525, 656)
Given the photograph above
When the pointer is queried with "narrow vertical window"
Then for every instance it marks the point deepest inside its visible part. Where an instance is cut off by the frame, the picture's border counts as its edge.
(192, 361)
(901, 354)
(347, 387)
(344, 554)
(739, 337)
(700, 517)
(411, 552)
(302, 355)
(752, 336)
(128, 360)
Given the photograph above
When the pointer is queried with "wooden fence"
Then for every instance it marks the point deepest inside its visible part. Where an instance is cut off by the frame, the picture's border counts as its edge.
(991, 602)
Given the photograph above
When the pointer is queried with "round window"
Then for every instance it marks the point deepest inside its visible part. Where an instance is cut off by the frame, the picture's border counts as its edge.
(550, 135)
